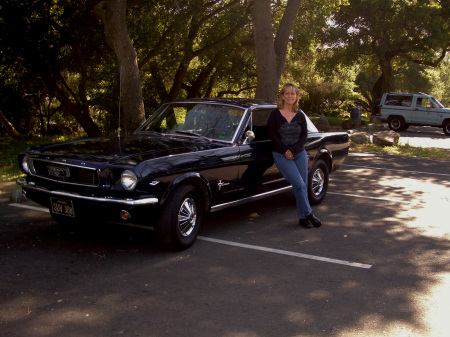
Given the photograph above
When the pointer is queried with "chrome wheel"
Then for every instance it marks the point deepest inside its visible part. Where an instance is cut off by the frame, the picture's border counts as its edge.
(187, 216)
(181, 218)
(318, 180)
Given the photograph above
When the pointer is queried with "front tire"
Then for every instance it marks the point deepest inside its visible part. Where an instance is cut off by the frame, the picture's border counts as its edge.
(318, 182)
(180, 219)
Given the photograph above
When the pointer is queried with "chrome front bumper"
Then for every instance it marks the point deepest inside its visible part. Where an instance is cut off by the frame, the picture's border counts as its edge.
(109, 200)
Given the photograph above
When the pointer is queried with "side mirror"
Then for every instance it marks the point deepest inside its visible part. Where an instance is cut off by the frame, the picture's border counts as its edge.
(250, 136)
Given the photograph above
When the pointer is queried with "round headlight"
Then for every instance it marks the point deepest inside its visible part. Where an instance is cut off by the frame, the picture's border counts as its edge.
(25, 166)
(128, 180)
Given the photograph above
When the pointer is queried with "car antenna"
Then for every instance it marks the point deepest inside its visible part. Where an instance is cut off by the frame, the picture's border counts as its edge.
(120, 97)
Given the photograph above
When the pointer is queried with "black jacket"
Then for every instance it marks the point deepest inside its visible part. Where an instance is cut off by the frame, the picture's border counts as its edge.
(287, 136)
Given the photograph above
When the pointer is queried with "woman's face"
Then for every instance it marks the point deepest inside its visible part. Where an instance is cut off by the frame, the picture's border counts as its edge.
(289, 96)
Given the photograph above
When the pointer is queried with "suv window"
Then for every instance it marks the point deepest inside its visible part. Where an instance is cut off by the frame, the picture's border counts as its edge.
(424, 102)
(398, 100)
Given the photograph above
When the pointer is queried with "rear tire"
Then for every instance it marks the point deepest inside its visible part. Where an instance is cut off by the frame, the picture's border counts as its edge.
(396, 123)
(446, 127)
(318, 182)
(180, 219)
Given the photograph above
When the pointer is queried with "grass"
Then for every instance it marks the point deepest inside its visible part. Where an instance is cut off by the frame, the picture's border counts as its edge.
(403, 150)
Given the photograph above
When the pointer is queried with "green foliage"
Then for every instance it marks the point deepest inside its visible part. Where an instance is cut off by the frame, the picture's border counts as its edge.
(48, 49)
(441, 81)
(54, 61)
(325, 94)
(396, 33)
(205, 47)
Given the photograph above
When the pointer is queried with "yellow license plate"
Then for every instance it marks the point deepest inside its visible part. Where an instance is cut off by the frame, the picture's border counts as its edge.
(62, 207)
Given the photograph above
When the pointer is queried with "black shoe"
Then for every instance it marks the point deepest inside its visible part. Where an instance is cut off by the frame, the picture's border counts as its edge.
(304, 223)
(313, 220)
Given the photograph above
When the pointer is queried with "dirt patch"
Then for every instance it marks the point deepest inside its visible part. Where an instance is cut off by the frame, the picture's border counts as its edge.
(8, 187)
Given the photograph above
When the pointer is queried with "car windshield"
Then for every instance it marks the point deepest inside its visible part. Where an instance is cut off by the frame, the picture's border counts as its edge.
(310, 124)
(438, 103)
(213, 121)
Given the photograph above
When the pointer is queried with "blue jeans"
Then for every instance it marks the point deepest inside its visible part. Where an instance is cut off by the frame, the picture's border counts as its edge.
(295, 172)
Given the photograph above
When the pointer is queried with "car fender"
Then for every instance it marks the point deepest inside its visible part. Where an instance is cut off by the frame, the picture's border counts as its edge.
(325, 155)
(194, 178)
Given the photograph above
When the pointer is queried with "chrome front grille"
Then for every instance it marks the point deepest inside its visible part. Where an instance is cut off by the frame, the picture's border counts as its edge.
(70, 174)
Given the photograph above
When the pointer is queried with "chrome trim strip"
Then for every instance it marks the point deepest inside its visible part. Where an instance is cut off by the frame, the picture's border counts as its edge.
(64, 163)
(249, 199)
(112, 200)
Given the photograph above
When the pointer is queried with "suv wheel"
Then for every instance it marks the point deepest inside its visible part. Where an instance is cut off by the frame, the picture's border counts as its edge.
(396, 123)
(446, 127)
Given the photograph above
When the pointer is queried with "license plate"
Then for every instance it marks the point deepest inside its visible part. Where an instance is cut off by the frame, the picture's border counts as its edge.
(62, 207)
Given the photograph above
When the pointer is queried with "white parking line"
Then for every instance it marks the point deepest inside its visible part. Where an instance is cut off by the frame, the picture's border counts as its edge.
(241, 245)
(377, 198)
(34, 208)
(286, 252)
(397, 170)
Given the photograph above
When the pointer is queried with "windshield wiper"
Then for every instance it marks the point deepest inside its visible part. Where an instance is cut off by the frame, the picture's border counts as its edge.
(150, 132)
(190, 133)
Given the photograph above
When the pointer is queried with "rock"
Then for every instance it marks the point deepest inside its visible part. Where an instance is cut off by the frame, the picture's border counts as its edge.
(349, 124)
(386, 138)
(322, 124)
(360, 138)
(375, 127)
(16, 196)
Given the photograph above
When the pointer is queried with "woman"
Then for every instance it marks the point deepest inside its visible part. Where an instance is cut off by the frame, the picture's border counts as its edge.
(288, 131)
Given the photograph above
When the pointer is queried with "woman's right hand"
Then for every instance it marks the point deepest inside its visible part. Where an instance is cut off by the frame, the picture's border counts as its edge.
(288, 155)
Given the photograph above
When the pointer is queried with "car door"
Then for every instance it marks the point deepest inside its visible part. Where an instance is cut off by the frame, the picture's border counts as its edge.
(425, 111)
(257, 171)
(222, 174)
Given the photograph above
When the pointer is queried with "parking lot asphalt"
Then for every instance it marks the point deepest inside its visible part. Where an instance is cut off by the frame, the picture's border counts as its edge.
(378, 267)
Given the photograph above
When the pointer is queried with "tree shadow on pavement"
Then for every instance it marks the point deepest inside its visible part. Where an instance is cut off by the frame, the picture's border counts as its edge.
(115, 281)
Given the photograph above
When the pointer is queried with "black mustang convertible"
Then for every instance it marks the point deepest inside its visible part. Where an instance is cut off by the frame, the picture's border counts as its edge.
(188, 158)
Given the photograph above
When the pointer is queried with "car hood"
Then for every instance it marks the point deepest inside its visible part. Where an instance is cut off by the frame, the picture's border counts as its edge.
(128, 150)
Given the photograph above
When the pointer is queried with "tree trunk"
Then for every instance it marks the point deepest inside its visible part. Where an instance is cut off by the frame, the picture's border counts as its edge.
(113, 16)
(10, 130)
(270, 52)
(205, 74)
(266, 58)
(385, 82)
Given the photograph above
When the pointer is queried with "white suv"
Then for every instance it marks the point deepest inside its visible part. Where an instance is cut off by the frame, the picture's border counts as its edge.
(400, 110)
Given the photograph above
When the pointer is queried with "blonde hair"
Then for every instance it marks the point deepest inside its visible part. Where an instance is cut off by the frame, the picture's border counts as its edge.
(280, 102)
